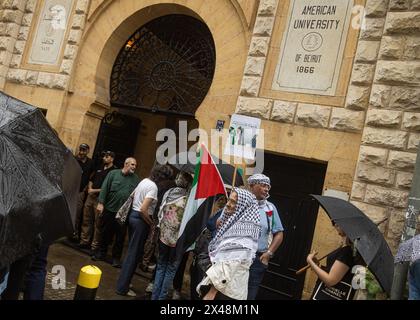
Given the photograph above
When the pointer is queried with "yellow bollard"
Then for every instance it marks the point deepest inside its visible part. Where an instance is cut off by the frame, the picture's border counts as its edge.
(88, 283)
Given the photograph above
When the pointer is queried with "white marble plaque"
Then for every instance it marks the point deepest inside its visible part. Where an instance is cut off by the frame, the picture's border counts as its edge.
(50, 31)
(312, 46)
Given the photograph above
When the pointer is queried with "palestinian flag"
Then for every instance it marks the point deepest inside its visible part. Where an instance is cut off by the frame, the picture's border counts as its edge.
(206, 186)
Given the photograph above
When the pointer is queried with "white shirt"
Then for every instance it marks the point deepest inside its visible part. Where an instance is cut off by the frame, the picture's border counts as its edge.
(145, 189)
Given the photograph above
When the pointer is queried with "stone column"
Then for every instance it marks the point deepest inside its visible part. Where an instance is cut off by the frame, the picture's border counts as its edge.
(392, 128)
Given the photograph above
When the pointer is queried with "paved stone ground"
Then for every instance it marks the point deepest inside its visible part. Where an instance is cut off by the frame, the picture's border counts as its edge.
(61, 254)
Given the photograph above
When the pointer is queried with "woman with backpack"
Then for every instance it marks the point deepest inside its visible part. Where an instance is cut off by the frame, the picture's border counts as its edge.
(170, 217)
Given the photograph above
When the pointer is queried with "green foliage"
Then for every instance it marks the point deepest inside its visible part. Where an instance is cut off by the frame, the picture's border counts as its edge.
(372, 286)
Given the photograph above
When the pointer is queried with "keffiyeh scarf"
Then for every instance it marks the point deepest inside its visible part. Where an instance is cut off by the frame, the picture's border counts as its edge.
(237, 238)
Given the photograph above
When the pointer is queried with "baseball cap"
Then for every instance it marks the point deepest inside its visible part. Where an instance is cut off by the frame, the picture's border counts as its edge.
(84, 146)
(108, 153)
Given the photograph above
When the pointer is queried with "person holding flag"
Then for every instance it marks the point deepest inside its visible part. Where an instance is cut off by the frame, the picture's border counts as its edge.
(233, 248)
(207, 184)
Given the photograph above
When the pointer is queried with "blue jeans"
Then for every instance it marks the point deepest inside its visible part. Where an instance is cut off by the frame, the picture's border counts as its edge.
(256, 275)
(138, 230)
(414, 281)
(35, 277)
(165, 272)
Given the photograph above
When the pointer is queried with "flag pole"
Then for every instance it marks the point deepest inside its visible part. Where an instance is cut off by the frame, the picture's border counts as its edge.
(234, 176)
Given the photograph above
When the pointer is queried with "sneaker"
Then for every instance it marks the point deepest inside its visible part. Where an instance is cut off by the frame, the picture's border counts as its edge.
(149, 288)
(82, 245)
(116, 263)
(176, 295)
(131, 293)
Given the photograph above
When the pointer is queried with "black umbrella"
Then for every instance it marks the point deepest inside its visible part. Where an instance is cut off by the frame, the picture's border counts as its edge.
(39, 181)
(186, 161)
(365, 235)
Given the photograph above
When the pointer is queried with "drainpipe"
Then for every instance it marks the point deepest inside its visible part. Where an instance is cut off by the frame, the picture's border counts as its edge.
(409, 231)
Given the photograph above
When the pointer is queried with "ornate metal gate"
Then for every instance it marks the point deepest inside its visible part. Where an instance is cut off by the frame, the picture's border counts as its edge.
(166, 66)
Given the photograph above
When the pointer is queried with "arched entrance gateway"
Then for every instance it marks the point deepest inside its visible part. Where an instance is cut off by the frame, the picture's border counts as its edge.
(165, 68)
(156, 63)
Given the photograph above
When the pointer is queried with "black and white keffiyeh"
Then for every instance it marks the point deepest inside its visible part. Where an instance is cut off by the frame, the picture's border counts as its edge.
(241, 230)
(259, 178)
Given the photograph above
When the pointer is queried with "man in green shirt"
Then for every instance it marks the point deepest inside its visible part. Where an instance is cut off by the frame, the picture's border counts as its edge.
(115, 190)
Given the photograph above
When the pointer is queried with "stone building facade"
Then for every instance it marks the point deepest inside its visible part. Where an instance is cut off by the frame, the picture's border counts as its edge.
(366, 133)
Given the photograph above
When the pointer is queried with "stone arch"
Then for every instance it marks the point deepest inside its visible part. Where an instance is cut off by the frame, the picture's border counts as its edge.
(111, 27)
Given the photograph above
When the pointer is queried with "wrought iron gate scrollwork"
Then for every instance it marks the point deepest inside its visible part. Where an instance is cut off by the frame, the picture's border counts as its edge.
(165, 66)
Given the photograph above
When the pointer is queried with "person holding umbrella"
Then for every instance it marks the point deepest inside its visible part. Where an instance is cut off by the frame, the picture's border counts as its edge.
(335, 280)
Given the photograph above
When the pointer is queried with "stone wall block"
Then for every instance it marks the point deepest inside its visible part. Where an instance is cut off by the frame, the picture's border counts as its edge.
(362, 74)
(372, 29)
(23, 33)
(82, 6)
(373, 156)
(403, 22)
(411, 121)
(30, 6)
(263, 26)
(259, 47)
(399, 4)
(267, 8)
(16, 76)
(31, 77)
(74, 36)
(412, 49)
(404, 180)
(27, 19)
(283, 111)
(70, 51)
(405, 98)
(250, 86)
(346, 120)
(386, 197)
(78, 21)
(16, 61)
(380, 96)
(260, 108)
(391, 47)
(358, 190)
(367, 51)
(385, 138)
(413, 141)
(313, 115)
(375, 174)
(376, 8)
(402, 160)
(357, 97)
(383, 118)
(254, 66)
(398, 72)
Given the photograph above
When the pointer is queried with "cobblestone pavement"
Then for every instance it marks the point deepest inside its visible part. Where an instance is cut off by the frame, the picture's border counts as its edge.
(67, 260)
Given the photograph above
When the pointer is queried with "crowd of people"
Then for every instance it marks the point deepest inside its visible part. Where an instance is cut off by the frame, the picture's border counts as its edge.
(245, 230)
(229, 258)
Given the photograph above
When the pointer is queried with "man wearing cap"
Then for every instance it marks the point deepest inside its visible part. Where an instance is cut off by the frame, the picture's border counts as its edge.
(87, 168)
(271, 232)
(91, 225)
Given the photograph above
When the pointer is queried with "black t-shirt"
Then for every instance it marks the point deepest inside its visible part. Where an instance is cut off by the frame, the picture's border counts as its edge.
(99, 176)
(87, 168)
(342, 290)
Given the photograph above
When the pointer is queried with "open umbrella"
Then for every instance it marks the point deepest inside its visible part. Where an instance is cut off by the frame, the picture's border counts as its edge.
(409, 250)
(365, 236)
(186, 161)
(39, 181)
